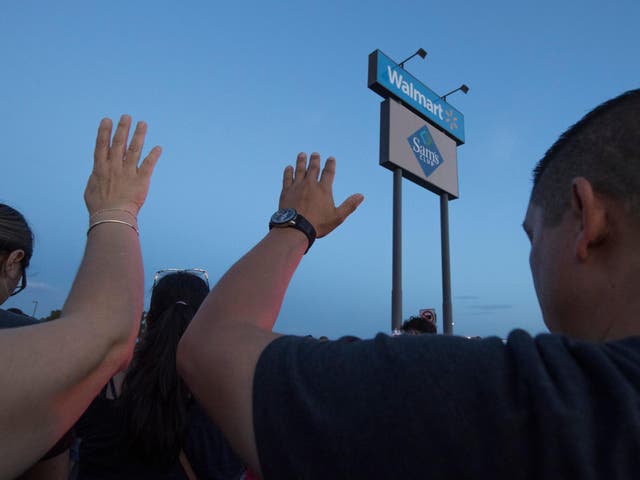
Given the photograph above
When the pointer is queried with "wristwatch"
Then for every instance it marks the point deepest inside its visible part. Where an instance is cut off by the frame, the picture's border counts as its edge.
(288, 217)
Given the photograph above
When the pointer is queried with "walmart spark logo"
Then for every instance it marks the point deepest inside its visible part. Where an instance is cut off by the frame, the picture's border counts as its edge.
(425, 150)
(451, 119)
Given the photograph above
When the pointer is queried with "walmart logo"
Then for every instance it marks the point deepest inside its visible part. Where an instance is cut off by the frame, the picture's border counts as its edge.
(425, 150)
(451, 119)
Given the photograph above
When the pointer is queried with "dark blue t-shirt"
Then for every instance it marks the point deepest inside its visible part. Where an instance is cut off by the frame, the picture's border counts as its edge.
(448, 407)
(13, 320)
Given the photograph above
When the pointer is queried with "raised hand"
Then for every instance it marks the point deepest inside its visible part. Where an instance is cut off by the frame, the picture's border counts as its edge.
(313, 198)
(117, 182)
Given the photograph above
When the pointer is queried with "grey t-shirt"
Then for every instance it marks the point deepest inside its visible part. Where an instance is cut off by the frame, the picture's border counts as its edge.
(447, 407)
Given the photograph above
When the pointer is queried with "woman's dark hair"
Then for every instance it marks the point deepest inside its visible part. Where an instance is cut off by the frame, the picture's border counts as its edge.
(155, 401)
(15, 234)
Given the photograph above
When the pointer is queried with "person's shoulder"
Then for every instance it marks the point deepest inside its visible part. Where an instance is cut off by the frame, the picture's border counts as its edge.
(12, 320)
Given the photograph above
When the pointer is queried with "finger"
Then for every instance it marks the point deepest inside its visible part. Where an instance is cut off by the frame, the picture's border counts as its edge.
(287, 177)
(328, 173)
(149, 162)
(314, 166)
(301, 167)
(102, 143)
(136, 144)
(349, 206)
(119, 142)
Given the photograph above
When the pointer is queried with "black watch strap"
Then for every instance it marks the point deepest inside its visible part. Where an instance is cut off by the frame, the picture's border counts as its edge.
(289, 217)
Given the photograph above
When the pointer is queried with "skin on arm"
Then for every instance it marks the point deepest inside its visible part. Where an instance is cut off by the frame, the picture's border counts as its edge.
(56, 468)
(219, 351)
(55, 369)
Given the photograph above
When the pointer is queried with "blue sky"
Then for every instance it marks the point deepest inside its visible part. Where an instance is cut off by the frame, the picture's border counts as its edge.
(232, 91)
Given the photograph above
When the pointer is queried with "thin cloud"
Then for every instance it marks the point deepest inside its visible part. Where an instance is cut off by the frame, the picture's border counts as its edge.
(42, 286)
(492, 307)
(489, 308)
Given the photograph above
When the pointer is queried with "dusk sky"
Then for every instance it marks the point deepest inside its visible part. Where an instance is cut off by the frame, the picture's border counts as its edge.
(233, 91)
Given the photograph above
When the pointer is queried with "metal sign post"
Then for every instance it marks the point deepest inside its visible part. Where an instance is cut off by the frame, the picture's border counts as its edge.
(447, 307)
(396, 269)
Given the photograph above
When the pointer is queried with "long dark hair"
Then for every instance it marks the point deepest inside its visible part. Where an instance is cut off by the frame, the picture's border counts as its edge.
(155, 401)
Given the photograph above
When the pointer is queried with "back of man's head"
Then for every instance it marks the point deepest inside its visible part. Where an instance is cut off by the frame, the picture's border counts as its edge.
(604, 148)
(418, 326)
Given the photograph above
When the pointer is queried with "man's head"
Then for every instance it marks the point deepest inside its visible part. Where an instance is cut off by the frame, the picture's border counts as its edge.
(418, 326)
(583, 217)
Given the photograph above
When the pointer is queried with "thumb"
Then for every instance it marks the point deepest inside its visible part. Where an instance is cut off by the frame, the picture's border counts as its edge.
(349, 206)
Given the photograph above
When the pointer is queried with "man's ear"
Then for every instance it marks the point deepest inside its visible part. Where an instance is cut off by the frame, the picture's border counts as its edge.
(591, 210)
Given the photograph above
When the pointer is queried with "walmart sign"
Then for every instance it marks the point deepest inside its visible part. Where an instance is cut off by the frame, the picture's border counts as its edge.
(389, 80)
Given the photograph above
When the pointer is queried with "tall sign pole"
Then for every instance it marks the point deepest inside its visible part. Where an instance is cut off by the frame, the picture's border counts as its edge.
(396, 268)
(447, 306)
(419, 135)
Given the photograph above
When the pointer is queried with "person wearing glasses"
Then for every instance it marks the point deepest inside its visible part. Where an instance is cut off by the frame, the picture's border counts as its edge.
(52, 371)
(16, 249)
(148, 425)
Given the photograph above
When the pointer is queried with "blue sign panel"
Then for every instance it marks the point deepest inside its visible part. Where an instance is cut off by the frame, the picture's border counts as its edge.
(388, 79)
(425, 150)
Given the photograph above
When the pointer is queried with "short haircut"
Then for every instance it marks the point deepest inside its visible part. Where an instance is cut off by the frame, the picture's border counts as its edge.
(604, 148)
(418, 324)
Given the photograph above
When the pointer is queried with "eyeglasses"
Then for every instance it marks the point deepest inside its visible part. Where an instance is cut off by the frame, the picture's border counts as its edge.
(199, 272)
(22, 286)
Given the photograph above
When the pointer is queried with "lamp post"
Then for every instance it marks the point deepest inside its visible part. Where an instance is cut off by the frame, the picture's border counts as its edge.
(35, 307)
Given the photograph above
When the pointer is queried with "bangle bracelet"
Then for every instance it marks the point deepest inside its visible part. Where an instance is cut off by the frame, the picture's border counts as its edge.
(92, 226)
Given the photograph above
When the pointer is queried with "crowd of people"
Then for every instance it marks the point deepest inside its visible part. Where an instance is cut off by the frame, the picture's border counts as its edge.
(207, 390)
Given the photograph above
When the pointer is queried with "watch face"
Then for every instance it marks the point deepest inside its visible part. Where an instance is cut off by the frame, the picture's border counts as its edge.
(284, 215)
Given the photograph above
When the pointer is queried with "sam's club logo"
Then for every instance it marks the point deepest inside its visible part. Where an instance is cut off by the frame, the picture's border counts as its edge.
(425, 150)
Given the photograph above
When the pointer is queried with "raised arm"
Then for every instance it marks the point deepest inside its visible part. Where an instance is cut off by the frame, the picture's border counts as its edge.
(218, 353)
(52, 371)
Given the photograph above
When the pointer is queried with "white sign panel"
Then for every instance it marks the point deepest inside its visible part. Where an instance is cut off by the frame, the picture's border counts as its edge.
(426, 156)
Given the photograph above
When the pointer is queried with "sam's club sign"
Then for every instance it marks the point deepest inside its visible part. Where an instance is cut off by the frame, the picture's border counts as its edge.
(425, 150)
(387, 79)
(425, 154)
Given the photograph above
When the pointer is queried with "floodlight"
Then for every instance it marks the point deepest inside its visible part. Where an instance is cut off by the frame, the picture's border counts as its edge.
(421, 52)
(463, 88)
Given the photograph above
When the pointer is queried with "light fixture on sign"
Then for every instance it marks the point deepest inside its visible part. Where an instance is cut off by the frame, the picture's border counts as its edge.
(462, 87)
(421, 51)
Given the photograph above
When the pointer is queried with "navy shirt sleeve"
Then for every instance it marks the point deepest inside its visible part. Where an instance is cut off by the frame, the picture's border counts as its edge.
(448, 407)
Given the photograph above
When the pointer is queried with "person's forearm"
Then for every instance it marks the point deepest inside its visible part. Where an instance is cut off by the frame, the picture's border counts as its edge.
(218, 354)
(252, 290)
(107, 295)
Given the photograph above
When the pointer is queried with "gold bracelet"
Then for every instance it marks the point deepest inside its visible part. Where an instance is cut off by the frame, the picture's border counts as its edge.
(92, 226)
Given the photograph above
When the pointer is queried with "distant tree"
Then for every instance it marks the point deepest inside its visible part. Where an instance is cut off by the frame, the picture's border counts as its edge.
(52, 316)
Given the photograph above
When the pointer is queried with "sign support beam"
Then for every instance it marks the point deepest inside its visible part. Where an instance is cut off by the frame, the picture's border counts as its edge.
(447, 321)
(396, 280)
